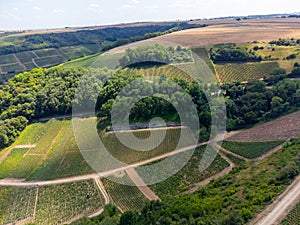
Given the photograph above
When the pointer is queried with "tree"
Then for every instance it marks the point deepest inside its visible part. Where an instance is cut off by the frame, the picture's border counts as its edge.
(3, 140)
(276, 101)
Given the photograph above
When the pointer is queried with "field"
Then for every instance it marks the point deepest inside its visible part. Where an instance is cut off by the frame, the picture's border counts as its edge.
(126, 197)
(110, 61)
(228, 31)
(280, 129)
(58, 204)
(169, 143)
(278, 53)
(232, 72)
(17, 203)
(293, 217)
(21, 204)
(250, 150)
(187, 177)
(64, 160)
(24, 61)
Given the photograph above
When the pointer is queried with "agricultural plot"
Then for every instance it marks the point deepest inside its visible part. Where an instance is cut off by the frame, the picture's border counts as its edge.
(111, 61)
(49, 61)
(293, 217)
(281, 129)
(21, 204)
(47, 52)
(5, 193)
(12, 161)
(58, 204)
(8, 59)
(278, 53)
(238, 72)
(11, 68)
(64, 160)
(26, 57)
(169, 143)
(126, 197)
(250, 150)
(187, 177)
(25, 162)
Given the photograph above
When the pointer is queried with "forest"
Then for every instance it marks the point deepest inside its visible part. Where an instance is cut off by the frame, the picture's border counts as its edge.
(107, 38)
(232, 54)
(155, 54)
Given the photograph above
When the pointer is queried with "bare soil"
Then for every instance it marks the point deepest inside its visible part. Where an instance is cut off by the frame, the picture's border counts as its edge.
(283, 129)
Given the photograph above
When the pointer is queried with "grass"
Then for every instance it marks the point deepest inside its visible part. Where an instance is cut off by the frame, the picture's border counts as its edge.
(187, 177)
(250, 150)
(126, 197)
(293, 217)
(238, 72)
(58, 204)
(21, 204)
(47, 52)
(12, 161)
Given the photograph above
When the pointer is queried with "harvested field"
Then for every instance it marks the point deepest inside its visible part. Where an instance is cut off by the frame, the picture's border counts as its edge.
(228, 31)
(280, 129)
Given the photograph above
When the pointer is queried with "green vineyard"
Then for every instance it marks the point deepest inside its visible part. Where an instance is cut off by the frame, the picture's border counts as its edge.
(126, 197)
(238, 72)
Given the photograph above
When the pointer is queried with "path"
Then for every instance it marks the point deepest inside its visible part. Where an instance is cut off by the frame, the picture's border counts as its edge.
(25, 146)
(232, 153)
(141, 185)
(267, 154)
(277, 211)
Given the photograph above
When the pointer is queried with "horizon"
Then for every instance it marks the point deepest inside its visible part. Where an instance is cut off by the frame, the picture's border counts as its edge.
(18, 15)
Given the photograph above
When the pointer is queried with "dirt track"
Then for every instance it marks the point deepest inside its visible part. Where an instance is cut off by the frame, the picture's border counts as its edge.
(274, 213)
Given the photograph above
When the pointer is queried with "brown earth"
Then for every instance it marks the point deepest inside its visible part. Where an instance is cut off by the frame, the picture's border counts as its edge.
(228, 31)
(283, 129)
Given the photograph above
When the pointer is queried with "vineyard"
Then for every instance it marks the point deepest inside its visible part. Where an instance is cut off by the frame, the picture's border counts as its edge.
(293, 217)
(169, 143)
(21, 204)
(237, 72)
(58, 204)
(65, 158)
(187, 177)
(126, 197)
(250, 150)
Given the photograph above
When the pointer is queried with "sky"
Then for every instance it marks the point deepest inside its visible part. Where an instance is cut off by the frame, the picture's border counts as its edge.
(44, 14)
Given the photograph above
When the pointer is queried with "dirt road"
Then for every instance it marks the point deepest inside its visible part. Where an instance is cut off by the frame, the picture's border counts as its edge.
(274, 213)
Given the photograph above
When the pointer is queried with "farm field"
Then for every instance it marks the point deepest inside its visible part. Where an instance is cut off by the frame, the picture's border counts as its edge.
(293, 217)
(58, 204)
(169, 143)
(64, 160)
(111, 61)
(280, 129)
(17, 203)
(227, 32)
(24, 61)
(187, 177)
(126, 197)
(250, 150)
(278, 53)
(233, 72)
